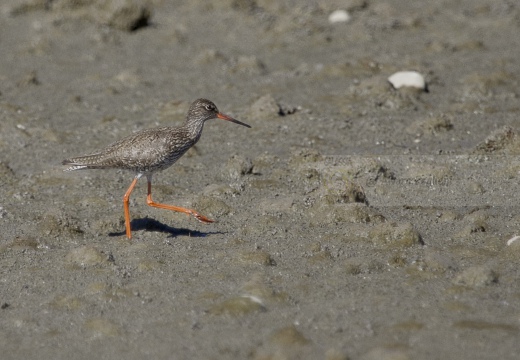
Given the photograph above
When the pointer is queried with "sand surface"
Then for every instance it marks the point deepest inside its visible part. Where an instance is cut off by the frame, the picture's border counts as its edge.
(354, 220)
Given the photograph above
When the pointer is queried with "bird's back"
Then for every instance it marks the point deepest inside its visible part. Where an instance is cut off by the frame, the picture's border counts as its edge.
(145, 152)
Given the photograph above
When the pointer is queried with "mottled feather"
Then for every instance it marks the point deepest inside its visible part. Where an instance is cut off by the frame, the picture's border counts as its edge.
(151, 150)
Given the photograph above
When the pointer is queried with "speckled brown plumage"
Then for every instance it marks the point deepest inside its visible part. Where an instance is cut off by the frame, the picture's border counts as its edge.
(145, 152)
(152, 150)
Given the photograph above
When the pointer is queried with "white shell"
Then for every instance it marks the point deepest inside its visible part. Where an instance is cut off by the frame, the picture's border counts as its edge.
(512, 240)
(407, 78)
(338, 16)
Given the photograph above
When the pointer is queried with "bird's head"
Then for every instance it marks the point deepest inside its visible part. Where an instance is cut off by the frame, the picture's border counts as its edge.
(203, 109)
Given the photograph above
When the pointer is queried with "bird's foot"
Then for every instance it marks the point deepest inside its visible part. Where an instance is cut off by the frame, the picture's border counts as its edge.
(200, 217)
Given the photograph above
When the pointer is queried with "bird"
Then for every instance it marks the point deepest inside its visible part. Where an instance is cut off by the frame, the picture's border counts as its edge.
(149, 151)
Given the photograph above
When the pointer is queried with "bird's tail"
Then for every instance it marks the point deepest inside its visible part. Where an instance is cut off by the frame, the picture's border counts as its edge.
(82, 162)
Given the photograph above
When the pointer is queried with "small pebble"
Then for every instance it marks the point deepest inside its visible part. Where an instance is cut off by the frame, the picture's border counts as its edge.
(407, 79)
(289, 336)
(339, 16)
(342, 192)
(85, 256)
(238, 166)
(212, 206)
(505, 140)
(237, 306)
(398, 235)
(102, 328)
(474, 187)
(248, 65)
(126, 15)
(258, 257)
(476, 276)
(259, 289)
(266, 106)
(439, 261)
(148, 265)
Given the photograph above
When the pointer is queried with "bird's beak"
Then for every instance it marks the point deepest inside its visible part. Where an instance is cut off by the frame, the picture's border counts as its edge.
(229, 118)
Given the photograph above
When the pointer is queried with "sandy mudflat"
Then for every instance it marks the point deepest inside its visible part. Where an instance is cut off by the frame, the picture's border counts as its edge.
(354, 220)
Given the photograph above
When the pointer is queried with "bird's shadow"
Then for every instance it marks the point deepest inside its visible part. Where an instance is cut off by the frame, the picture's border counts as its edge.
(154, 225)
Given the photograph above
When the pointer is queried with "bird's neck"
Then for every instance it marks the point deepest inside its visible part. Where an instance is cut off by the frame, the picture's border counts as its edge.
(194, 129)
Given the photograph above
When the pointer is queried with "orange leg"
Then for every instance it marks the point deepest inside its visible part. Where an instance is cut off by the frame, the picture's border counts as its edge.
(150, 202)
(126, 199)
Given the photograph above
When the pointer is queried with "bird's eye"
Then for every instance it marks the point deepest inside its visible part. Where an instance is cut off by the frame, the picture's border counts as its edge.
(210, 107)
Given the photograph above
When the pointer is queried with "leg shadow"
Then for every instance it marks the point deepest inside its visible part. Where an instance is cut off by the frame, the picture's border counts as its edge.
(149, 224)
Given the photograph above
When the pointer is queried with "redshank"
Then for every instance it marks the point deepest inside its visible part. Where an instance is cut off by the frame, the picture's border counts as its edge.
(152, 150)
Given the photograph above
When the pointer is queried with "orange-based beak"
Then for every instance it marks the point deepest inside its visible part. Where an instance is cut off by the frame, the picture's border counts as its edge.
(229, 118)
